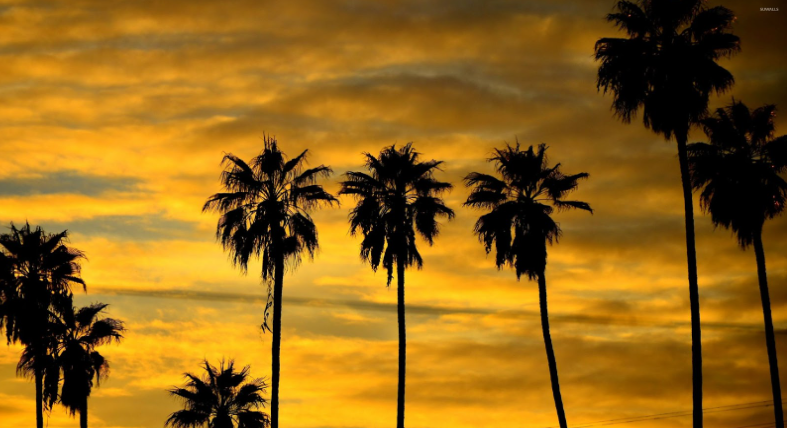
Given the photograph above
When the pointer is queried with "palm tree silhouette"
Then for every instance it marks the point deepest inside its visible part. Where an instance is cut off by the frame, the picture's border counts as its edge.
(80, 332)
(40, 270)
(667, 66)
(398, 197)
(265, 213)
(522, 200)
(223, 398)
(738, 173)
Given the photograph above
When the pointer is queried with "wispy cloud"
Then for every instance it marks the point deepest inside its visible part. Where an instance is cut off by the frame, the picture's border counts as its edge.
(66, 181)
(143, 227)
(422, 309)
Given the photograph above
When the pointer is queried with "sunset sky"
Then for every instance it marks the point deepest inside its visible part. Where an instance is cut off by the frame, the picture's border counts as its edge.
(114, 117)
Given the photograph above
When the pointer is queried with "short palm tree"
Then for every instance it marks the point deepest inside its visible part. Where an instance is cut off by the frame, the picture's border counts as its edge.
(223, 398)
(265, 213)
(40, 270)
(738, 174)
(667, 66)
(397, 198)
(520, 201)
(79, 333)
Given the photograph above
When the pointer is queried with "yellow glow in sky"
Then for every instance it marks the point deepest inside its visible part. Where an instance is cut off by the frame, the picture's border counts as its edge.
(114, 117)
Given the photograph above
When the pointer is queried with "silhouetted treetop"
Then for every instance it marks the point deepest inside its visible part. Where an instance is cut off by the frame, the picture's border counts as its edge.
(520, 203)
(738, 171)
(266, 207)
(222, 398)
(398, 197)
(667, 65)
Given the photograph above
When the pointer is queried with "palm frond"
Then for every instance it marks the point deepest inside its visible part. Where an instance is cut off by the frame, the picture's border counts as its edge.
(187, 419)
(566, 205)
(631, 19)
(250, 395)
(776, 151)
(311, 175)
(253, 419)
(293, 166)
(427, 210)
(714, 20)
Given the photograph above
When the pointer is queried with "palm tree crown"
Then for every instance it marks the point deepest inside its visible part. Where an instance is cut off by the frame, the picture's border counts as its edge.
(739, 170)
(398, 197)
(265, 211)
(39, 270)
(223, 398)
(522, 200)
(80, 332)
(667, 65)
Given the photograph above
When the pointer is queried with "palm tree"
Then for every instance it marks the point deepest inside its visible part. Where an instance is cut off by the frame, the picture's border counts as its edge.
(79, 333)
(398, 197)
(221, 399)
(265, 213)
(40, 270)
(738, 174)
(668, 67)
(519, 224)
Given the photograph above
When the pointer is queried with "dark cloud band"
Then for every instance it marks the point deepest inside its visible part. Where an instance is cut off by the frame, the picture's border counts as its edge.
(421, 309)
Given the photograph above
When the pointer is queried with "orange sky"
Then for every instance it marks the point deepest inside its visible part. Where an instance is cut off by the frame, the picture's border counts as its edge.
(114, 118)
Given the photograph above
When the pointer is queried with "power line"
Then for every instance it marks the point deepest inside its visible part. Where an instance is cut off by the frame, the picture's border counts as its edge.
(663, 415)
(762, 425)
(718, 409)
(667, 415)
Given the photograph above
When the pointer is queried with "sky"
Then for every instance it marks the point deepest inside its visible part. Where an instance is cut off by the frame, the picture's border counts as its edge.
(114, 117)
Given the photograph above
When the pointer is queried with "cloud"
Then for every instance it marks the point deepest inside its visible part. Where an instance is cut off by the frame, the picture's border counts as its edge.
(421, 309)
(66, 181)
(151, 227)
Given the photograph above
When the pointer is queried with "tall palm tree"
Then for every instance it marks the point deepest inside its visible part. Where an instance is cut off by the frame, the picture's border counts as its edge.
(223, 398)
(265, 213)
(79, 332)
(520, 201)
(738, 174)
(40, 270)
(667, 65)
(398, 197)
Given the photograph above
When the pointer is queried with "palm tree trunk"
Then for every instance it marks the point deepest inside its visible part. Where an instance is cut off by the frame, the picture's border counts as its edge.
(83, 415)
(39, 379)
(402, 344)
(694, 293)
(542, 300)
(278, 283)
(770, 339)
